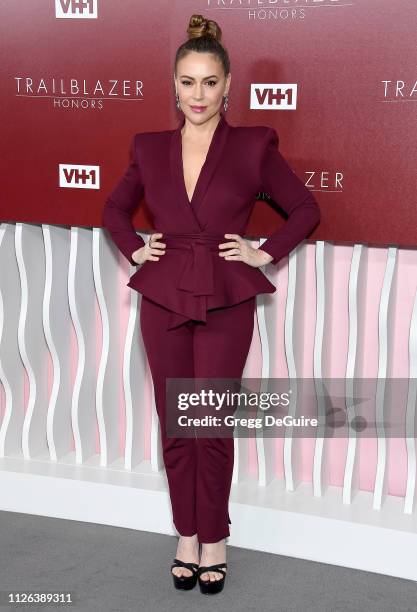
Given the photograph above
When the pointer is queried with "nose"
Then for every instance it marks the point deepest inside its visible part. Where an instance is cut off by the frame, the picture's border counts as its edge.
(198, 92)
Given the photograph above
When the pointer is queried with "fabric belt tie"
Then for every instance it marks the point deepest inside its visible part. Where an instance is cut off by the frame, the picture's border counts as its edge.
(196, 276)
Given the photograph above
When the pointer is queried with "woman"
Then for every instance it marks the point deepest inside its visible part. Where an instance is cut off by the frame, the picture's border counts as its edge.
(198, 277)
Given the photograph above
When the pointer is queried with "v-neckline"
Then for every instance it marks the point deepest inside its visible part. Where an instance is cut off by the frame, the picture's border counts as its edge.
(214, 155)
(217, 131)
(205, 163)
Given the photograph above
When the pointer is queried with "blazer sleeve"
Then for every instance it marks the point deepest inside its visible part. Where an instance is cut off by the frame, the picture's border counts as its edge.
(121, 204)
(290, 193)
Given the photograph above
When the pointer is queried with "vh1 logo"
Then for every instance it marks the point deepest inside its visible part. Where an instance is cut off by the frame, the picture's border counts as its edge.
(76, 9)
(274, 96)
(79, 177)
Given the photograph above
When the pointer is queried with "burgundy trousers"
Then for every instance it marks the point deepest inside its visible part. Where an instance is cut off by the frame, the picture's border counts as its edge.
(199, 470)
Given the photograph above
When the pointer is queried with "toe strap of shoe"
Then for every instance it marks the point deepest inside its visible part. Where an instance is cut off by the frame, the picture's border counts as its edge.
(213, 568)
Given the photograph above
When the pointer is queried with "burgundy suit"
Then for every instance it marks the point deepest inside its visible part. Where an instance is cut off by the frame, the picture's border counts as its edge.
(197, 308)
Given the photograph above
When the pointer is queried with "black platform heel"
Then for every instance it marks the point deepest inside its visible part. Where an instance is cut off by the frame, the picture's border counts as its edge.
(185, 582)
(209, 587)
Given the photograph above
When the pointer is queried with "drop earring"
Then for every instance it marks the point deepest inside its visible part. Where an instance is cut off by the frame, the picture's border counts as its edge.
(177, 100)
(225, 102)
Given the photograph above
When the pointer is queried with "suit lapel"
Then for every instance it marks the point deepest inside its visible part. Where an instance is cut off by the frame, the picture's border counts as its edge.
(207, 171)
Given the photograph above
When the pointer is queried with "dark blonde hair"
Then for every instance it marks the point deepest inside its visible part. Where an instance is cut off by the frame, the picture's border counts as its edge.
(204, 36)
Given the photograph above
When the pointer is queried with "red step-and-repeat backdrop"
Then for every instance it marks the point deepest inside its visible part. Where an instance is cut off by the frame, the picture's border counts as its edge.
(335, 78)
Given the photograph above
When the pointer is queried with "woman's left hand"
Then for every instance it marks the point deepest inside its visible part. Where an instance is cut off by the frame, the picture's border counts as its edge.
(239, 250)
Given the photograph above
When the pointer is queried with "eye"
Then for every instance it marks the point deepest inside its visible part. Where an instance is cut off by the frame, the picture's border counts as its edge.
(185, 82)
(213, 83)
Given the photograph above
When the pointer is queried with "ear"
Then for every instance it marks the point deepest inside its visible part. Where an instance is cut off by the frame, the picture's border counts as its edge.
(228, 80)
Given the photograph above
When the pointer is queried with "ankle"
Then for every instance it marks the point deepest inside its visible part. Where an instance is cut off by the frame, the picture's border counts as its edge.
(214, 545)
(188, 540)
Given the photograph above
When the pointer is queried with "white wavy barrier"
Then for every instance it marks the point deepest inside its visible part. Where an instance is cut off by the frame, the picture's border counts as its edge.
(79, 433)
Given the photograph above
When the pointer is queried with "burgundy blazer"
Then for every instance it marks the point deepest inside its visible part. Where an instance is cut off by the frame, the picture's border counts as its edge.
(191, 277)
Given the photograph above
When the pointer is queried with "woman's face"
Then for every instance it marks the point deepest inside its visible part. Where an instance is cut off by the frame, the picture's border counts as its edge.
(201, 84)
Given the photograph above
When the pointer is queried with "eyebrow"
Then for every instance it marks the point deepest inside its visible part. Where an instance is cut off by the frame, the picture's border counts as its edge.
(183, 76)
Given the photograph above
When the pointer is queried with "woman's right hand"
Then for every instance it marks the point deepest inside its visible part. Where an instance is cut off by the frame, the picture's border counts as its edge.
(151, 251)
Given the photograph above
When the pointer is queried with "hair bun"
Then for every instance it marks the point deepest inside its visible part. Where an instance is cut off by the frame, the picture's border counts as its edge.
(199, 26)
